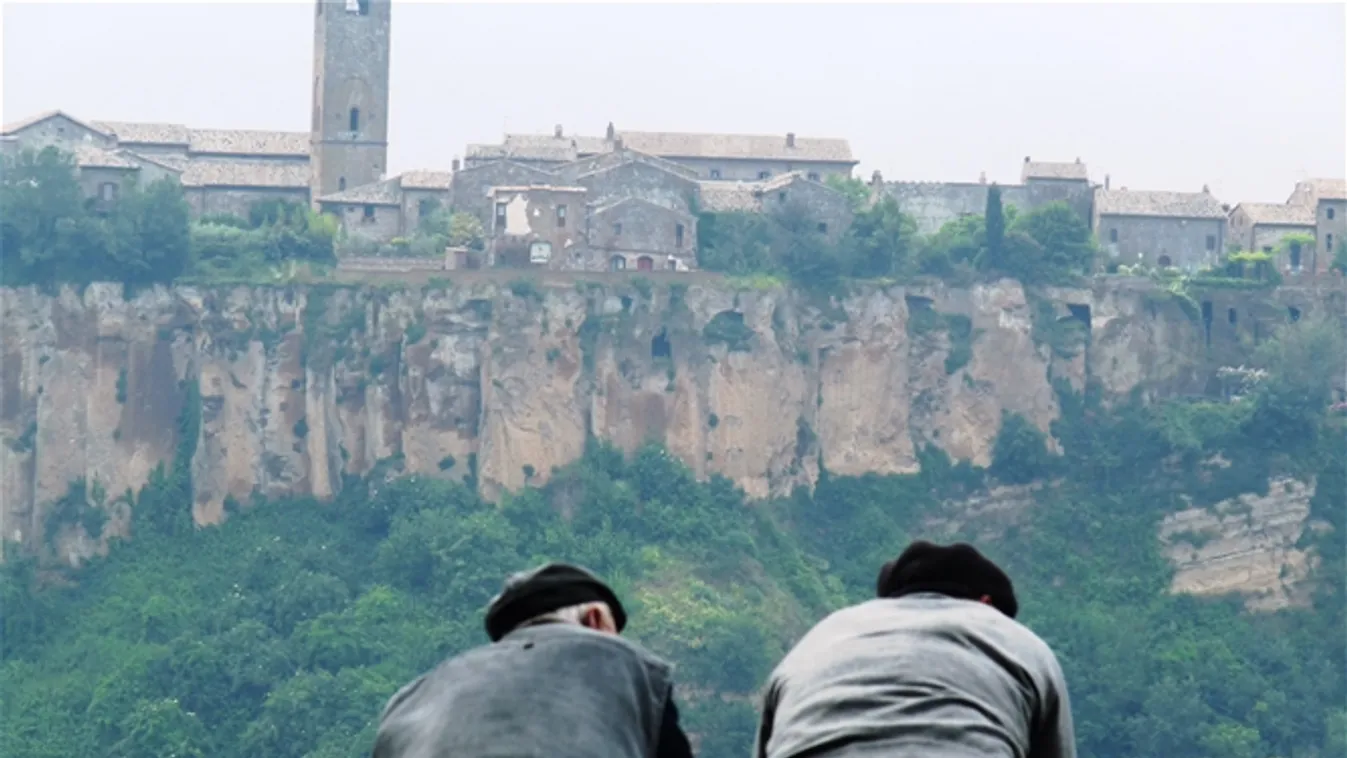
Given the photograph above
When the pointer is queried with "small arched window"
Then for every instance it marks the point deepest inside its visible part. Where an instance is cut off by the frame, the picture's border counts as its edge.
(355, 119)
(341, 184)
(364, 7)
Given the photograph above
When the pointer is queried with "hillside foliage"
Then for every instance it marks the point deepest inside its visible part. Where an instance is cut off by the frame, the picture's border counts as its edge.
(283, 631)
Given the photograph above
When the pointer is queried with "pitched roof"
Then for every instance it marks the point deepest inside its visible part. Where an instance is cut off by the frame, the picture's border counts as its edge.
(1157, 204)
(669, 145)
(537, 188)
(426, 180)
(1315, 190)
(386, 192)
(640, 201)
(22, 124)
(729, 197)
(1274, 214)
(146, 134)
(249, 142)
(275, 174)
(506, 162)
(1051, 170)
(88, 156)
(738, 146)
(622, 156)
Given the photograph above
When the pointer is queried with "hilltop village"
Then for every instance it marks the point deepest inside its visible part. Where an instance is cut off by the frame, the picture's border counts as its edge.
(625, 200)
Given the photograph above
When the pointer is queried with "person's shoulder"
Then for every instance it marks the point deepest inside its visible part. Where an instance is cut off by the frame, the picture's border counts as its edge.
(574, 634)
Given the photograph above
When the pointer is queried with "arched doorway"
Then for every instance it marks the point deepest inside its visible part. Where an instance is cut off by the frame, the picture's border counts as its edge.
(645, 263)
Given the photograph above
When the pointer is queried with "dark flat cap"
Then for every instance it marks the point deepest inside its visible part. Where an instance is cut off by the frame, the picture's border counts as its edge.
(547, 588)
(957, 570)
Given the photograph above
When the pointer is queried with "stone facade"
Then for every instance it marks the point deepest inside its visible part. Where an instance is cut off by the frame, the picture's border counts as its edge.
(635, 178)
(350, 94)
(791, 195)
(934, 204)
(537, 226)
(1327, 198)
(1182, 229)
(637, 234)
(470, 189)
(1265, 226)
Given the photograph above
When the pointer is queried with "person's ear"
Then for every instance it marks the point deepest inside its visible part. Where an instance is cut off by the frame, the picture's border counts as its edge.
(985, 599)
(599, 621)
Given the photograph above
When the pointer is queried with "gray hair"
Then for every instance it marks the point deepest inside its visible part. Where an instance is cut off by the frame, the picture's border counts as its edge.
(571, 614)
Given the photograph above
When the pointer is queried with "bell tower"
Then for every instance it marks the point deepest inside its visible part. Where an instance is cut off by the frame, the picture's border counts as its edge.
(349, 143)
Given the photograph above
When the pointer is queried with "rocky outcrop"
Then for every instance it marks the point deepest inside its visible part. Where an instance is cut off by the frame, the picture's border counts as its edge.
(299, 386)
(1250, 544)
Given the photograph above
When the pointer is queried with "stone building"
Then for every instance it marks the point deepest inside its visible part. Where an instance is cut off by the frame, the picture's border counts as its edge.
(728, 157)
(792, 194)
(470, 187)
(390, 208)
(1264, 226)
(540, 226)
(934, 204)
(1327, 199)
(635, 178)
(352, 45)
(636, 234)
(1182, 229)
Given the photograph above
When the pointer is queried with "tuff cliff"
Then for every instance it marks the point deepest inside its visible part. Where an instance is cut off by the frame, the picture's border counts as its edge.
(301, 385)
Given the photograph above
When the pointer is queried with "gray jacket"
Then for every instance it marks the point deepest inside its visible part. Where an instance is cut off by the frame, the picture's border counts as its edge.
(554, 691)
(922, 676)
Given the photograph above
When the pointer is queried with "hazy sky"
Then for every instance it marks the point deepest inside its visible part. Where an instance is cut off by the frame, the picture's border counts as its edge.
(1245, 98)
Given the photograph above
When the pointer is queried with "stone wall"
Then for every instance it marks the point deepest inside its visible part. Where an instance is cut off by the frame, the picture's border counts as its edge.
(934, 204)
(1156, 241)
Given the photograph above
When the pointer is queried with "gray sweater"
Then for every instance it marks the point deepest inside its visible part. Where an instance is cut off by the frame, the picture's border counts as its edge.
(549, 691)
(922, 676)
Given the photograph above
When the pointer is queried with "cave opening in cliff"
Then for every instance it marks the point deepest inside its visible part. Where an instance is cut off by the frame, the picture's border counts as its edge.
(1080, 312)
(659, 346)
(1293, 312)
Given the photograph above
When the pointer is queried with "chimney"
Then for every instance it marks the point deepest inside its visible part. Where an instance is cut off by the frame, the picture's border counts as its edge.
(1225, 207)
(617, 143)
(1206, 190)
(1105, 181)
(558, 130)
(790, 139)
(453, 165)
(1077, 161)
(611, 132)
(876, 179)
(982, 178)
(1026, 159)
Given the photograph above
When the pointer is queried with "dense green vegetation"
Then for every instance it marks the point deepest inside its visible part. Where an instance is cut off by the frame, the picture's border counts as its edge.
(282, 632)
(1046, 246)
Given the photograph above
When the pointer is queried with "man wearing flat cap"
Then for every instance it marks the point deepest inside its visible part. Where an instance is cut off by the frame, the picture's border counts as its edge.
(935, 667)
(557, 681)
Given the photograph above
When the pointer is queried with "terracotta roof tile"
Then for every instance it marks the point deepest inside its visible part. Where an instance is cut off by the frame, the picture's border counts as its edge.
(1278, 215)
(39, 118)
(249, 142)
(386, 192)
(146, 134)
(427, 180)
(730, 197)
(276, 174)
(1158, 204)
(88, 156)
(1314, 190)
(738, 146)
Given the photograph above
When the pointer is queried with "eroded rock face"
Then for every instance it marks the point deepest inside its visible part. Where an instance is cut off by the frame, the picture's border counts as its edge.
(300, 385)
(1249, 544)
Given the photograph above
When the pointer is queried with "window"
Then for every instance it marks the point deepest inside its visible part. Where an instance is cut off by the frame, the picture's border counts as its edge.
(813, 176)
(341, 184)
(617, 230)
(500, 218)
(1295, 255)
(107, 192)
(1211, 242)
(822, 228)
(1112, 235)
(561, 217)
(1329, 212)
(1328, 243)
(352, 6)
(764, 174)
(355, 120)
(781, 196)
(617, 263)
(1267, 248)
(369, 214)
(715, 173)
(1232, 317)
(678, 235)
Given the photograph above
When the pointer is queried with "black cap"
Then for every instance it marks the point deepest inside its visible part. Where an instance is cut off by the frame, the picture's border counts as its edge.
(547, 588)
(957, 570)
